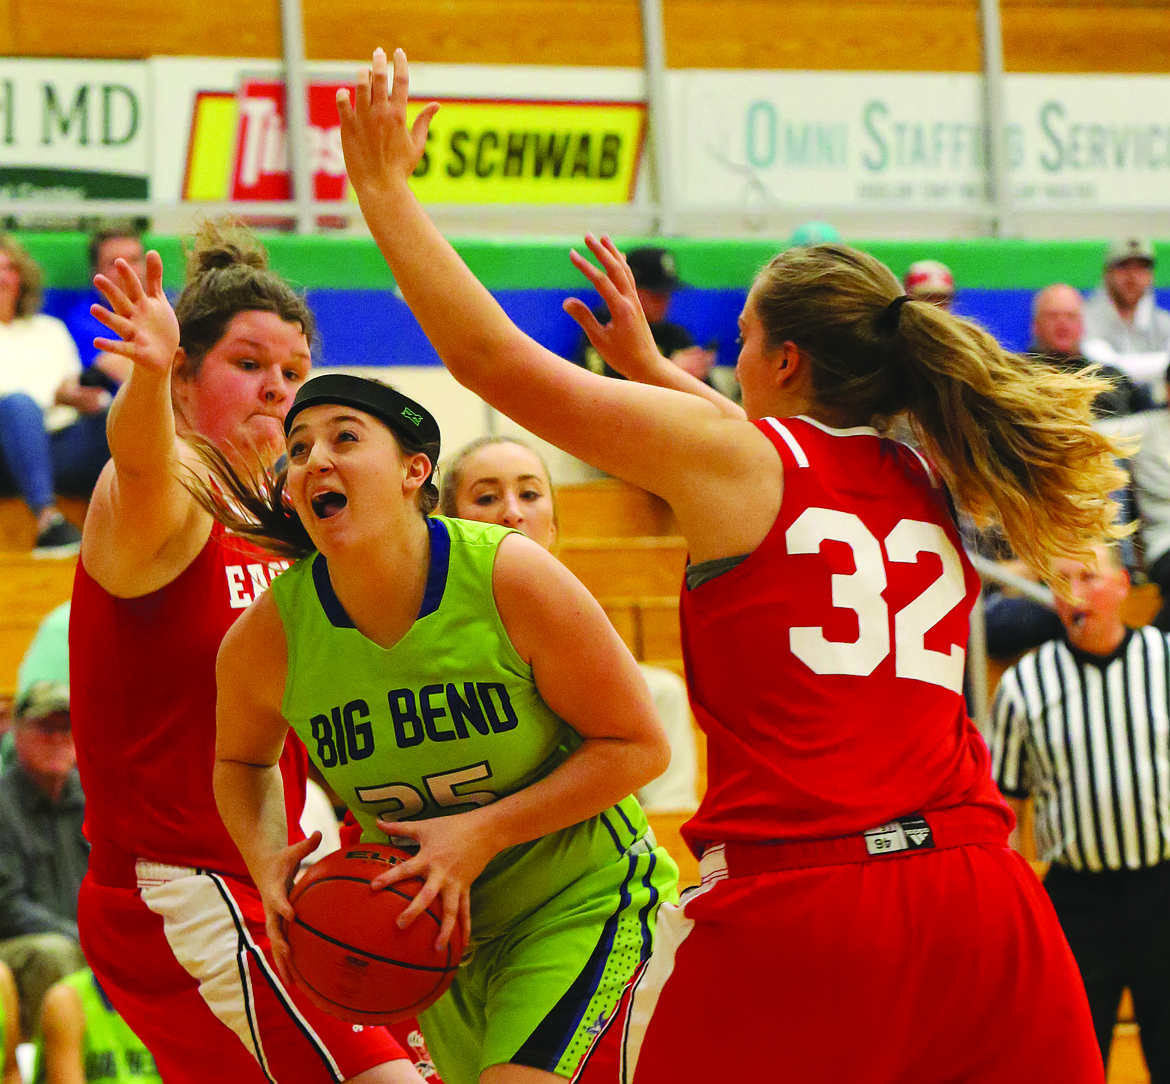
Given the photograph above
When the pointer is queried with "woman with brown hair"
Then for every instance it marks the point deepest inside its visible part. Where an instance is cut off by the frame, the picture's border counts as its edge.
(170, 921)
(861, 916)
(52, 429)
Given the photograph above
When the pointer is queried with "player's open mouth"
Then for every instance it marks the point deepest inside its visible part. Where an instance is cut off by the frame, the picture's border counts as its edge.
(328, 504)
(1079, 617)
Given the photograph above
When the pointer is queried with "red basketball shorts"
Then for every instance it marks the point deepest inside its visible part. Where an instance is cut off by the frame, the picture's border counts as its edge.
(944, 965)
(184, 958)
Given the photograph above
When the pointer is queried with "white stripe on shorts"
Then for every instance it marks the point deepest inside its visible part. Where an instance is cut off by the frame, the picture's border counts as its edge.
(210, 940)
(672, 927)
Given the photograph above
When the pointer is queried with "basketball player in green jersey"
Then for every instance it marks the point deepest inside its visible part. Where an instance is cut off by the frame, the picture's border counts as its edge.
(460, 689)
(82, 1038)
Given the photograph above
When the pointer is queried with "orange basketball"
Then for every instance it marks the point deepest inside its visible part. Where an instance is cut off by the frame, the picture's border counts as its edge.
(348, 954)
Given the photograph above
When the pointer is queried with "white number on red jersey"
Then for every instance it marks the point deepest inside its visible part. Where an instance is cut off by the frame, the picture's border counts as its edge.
(861, 591)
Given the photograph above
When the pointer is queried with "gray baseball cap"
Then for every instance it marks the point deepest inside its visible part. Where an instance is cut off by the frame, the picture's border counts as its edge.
(41, 699)
(1131, 248)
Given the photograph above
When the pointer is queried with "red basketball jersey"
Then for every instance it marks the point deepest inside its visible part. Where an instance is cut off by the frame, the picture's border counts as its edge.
(827, 668)
(142, 701)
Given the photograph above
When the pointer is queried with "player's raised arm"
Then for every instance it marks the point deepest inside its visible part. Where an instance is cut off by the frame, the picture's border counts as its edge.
(140, 512)
(659, 430)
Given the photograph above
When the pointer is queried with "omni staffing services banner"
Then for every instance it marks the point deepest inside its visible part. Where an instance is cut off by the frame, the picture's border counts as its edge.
(890, 140)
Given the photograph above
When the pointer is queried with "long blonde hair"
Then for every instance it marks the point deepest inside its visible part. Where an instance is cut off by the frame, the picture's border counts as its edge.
(1012, 436)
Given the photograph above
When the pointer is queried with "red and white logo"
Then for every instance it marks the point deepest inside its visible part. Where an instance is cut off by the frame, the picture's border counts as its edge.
(261, 169)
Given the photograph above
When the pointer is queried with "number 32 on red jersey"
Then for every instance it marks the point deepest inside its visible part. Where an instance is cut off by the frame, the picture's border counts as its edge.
(861, 592)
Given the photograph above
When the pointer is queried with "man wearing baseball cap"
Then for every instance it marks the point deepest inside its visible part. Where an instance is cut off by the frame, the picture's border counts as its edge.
(43, 854)
(1122, 319)
(656, 276)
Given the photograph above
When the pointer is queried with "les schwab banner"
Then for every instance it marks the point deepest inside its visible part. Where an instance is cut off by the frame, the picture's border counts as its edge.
(478, 151)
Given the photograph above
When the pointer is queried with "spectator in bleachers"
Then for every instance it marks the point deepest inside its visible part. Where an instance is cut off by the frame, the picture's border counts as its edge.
(1057, 330)
(52, 429)
(82, 1038)
(1014, 623)
(1123, 324)
(47, 659)
(931, 281)
(1078, 725)
(43, 853)
(502, 480)
(101, 369)
(656, 276)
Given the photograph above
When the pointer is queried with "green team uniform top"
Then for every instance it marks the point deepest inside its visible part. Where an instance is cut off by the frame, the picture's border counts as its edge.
(111, 1053)
(447, 719)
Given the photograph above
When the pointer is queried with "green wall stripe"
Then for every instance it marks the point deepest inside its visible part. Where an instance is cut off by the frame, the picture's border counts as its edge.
(322, 262)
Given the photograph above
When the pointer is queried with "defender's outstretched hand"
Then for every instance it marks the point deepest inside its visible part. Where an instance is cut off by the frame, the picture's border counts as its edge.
(625, 342)
(140, 314)
(378, 145)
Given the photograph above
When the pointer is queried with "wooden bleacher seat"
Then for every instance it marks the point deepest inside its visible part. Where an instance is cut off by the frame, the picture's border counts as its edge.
(1141, 605)
(29, 589)
(627, 567)
(623, 544)
(666, 828)
(648, 624)
(18, 526)
(610, 508)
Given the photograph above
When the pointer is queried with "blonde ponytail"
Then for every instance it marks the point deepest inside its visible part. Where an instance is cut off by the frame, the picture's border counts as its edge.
(1012, 436)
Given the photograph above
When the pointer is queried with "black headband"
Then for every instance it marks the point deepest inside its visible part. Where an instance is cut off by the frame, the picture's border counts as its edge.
(401, 414)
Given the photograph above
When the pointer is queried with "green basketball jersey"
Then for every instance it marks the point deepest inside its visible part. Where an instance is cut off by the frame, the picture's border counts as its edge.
(111, 1053)
(448, 719)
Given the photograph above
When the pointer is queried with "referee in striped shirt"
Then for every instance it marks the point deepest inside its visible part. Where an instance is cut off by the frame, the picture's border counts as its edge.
(1082, 725)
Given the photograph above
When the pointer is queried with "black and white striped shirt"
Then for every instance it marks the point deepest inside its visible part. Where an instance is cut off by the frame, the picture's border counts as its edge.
(1089, 738)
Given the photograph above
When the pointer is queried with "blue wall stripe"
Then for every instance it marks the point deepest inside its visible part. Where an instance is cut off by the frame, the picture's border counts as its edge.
(374, 327)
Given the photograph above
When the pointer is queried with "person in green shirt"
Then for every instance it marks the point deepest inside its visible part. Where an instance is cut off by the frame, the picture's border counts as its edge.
(463, 693)
(83, 1040)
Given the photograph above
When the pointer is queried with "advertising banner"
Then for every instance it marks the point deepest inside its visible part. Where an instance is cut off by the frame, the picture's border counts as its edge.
(74, 129)
(891, 140)
(212, 129)
(563, 150)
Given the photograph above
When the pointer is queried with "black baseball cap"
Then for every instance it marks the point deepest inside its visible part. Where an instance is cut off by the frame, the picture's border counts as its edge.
(654, 269)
